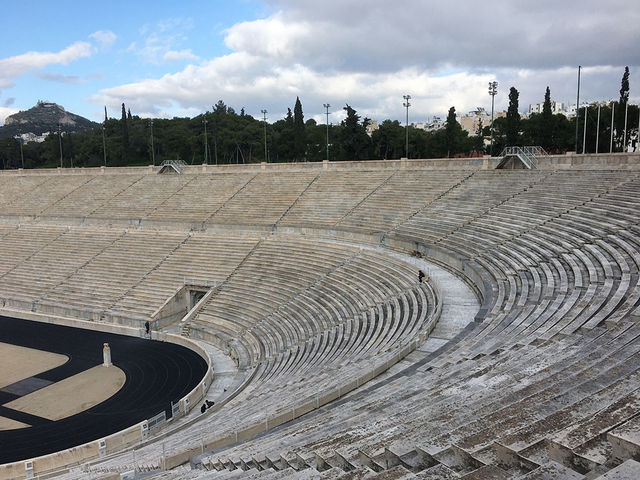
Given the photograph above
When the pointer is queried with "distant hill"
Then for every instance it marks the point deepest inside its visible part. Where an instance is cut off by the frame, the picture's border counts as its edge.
(44, 117)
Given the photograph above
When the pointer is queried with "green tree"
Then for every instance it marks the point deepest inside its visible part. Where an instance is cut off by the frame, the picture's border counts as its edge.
(316, 141)
(451, 128)
(125, 137)
(355, 144)
(299, 137)
(388, 140)
(284, 139)
(620, 111)
(513, 119)
(547, 126)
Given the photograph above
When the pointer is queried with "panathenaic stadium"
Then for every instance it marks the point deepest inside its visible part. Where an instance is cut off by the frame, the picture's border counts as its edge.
(431, 319)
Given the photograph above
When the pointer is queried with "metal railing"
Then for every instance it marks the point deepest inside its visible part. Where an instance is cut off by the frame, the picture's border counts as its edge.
(528, 155)
(175, 164)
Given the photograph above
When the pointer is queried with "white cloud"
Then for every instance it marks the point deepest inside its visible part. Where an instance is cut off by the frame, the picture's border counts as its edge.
(5, 112)
(443, 53)
(162, 42)
(179, 55)
(56, 77)
(104, 37)
(12, 67)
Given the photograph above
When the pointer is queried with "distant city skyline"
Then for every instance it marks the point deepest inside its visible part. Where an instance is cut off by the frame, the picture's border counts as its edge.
(163, 59)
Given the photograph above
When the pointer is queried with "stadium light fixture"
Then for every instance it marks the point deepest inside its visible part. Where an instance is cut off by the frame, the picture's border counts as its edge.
(264, 119)
(153, 153)
(104, 146)
(493, 91)
(577, 107)
(60, 143)
(613, 109)
(326, 107)
(584, 133)
(206, 157)
(598, 129)
(406, 104)
(626, 113)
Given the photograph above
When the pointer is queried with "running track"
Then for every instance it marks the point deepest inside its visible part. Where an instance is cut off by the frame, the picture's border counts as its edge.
(157, 373)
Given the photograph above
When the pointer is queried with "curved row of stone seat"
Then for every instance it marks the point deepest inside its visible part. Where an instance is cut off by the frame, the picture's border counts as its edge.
(462, 204)
(30, 196)
(21, 243)
(89, 196)
(297, 198)
(400, 197)
(200, 198)
(578, 270)
(264, 199)
(64, 252)
(317, 208)
(342, 353)
(205, 260)
(565, 253)
(548, 374)
(291, 291)
(545, 392)
(382, 327)
(110, 275)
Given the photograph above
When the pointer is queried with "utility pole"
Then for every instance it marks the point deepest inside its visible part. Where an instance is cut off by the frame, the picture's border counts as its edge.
(624, 141)
(206, 157)
(326, 107)
(104, 143)
(598, 129)
(577, 107)
(60, 143)
(584, 133)
(21, 153)
(406, 104)
(264, 119)
(493, 90)
(638, 136)
(613, 109)
(153, 153)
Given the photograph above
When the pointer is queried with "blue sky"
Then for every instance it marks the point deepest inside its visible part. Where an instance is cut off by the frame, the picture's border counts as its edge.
(143, 32)
(178, 58)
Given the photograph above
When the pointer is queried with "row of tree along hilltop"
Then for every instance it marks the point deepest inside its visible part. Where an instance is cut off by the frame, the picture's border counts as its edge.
(234, 137)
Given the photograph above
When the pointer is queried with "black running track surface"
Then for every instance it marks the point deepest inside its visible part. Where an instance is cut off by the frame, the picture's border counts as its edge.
(158, 373)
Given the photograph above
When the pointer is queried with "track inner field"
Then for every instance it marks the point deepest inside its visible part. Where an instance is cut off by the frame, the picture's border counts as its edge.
(157, 373)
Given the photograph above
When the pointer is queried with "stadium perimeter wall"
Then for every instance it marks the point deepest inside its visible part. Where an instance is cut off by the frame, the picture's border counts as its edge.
(118, 441)
(619, 161)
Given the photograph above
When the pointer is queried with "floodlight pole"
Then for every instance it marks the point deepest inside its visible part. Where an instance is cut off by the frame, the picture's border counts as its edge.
(153, 153)
(598, 129)
(624, 141)
(613, 109)
(206, 157)
(584, 133)
(638, 136)
(104, 146)
(493, 90)
(21, 152)
(406, 104)
(60, 144)
(326, 107)
(264, 119)
(577, 107)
